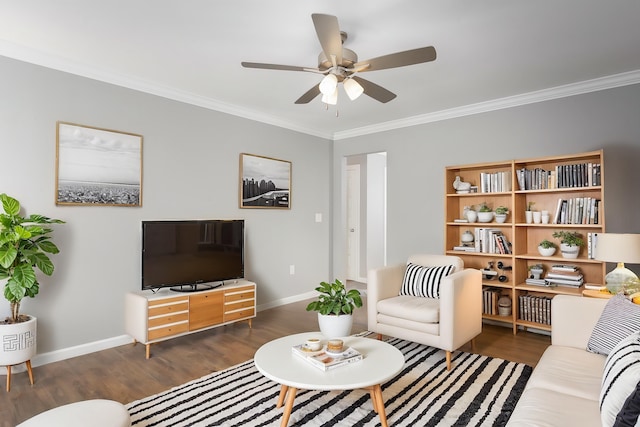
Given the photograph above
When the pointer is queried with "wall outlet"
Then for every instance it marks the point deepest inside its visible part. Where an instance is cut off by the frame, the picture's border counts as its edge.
(292, 269)
(318, 217)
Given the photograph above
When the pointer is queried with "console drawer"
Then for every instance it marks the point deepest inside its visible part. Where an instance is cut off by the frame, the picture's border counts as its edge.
(241, 314)
(167, 331)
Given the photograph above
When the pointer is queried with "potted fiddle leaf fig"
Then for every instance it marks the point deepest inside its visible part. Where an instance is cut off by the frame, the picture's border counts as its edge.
(335, 306)
(25, 243)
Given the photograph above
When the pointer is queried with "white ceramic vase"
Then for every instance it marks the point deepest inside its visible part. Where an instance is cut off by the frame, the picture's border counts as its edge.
(333, 326)
(18, 342)
(569, 251)
(500, 218)
(485, 216)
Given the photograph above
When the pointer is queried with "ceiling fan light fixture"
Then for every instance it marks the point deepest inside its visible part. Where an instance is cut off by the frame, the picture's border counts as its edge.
(331, 99)
(328, 84)
(353, 89)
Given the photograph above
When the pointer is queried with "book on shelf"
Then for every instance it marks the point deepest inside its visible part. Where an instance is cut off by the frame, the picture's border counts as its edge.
(567, 275)
(594, 287)
(535, 308)
(464, 248)
(324, 360)
(536, 282)
(564, 267)
(564, 282)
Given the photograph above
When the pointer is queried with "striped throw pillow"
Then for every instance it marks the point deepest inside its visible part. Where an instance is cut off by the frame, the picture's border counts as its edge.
(420, 281)
(618, 320)
(619, 382)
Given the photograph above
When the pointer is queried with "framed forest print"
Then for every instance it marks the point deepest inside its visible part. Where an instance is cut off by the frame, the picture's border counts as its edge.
(265, 183)
(97, 166)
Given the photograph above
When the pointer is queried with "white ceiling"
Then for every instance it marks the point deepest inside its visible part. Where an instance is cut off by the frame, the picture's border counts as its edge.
(491, 53)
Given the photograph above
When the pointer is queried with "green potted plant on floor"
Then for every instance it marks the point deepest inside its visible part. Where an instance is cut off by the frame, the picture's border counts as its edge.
(25, 243)
(570, 243)
(335, 306)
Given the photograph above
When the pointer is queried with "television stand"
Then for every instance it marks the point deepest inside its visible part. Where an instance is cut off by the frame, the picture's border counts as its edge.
(151, 318)
(196, 287)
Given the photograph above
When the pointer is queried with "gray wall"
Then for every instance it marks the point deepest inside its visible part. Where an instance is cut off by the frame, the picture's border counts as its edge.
(417, 156)
(191, 159)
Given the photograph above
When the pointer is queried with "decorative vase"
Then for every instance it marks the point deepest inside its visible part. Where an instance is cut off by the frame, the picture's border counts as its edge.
(569, 251)
(528, 216)
(537, 217)
(18, 342)
(485, 216)
(333, 326)
(500, 218)
(472, 215)
(546, 251)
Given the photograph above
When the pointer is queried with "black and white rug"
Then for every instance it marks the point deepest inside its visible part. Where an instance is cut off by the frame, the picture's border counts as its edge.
(478, 391)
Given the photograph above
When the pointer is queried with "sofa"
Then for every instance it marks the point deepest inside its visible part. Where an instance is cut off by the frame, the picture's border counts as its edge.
(583, 365)
(431, 300)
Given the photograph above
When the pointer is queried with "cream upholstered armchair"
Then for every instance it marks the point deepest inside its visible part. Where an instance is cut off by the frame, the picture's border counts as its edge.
(431, 300)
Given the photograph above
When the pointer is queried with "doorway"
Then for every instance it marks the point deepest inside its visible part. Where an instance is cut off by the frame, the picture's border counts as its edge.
(366, 213)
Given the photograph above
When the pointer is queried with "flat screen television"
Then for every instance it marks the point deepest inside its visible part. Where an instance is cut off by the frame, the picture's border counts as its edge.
(191, 255)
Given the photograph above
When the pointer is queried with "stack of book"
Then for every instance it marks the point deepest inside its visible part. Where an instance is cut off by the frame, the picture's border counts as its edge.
(535, 308)
(324, 360)
(564, 275)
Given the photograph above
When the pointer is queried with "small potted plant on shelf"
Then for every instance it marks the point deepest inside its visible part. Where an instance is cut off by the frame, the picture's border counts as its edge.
(25, 243)
(335, 306)
(501, 213)
(570, 243)
(528, 214)
(485, 214)
(547, 248)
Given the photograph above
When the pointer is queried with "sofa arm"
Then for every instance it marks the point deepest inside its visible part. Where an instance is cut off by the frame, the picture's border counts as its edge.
(573, 319)
(460, 307)
(382, 283)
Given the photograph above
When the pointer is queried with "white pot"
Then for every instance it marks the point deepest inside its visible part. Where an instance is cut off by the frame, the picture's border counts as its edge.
(485, 216)
(546, 251)
(500, 218)
(18, 342)
(569, 251)
(333, 326)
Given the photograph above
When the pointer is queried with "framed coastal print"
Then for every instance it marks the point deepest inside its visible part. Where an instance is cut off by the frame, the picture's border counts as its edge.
(265, 183)
(97, 167)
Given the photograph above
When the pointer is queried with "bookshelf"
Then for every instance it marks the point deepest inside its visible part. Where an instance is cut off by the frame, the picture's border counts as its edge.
(573, 184)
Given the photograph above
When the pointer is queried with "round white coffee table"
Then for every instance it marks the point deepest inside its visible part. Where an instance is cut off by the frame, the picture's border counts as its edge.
(380, 363)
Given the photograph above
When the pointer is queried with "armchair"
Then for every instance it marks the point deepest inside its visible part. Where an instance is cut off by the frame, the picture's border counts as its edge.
(446, 322)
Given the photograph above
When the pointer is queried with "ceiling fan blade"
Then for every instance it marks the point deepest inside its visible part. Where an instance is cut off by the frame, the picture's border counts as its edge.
(328, 32)
(278, 67)
(309, 95)
(398, 59)
(374, 91)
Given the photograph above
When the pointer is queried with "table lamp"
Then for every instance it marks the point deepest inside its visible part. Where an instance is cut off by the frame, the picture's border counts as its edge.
(618, 248)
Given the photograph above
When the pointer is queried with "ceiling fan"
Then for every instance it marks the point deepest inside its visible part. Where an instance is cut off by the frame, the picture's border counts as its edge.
(340, 65)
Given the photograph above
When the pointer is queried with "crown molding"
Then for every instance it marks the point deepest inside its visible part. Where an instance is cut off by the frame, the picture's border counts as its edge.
(12, 50)
(587, 86)
(32, 56)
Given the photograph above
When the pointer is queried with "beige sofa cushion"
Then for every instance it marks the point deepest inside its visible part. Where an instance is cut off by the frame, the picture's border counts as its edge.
(570, 371)
(418, 309)
(547, 408)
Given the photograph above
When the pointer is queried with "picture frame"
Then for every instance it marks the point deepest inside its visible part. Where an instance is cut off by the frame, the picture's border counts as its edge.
(96, 166)
(265, 182)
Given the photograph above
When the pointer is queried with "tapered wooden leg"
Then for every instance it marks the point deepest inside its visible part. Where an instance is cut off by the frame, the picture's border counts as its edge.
(379, 336)
(291, 396)
(374, 399)
(281, 397)
(379, 403)
(8, 378)
(30, 371)
(148, 351)
(448, 360)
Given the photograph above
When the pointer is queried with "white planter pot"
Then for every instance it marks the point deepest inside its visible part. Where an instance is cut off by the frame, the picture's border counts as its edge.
(333, 326)
(500, 218)
(570, 252)
(18, 342)
(546, 251)
(485, 216)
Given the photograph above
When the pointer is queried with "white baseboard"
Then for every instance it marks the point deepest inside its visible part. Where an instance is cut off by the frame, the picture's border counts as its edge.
(82, 349)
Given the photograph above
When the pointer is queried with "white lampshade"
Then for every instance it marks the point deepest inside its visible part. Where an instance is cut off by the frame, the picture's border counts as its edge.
(353, 88)
(328, 84)
(331, 99)
(618, 248)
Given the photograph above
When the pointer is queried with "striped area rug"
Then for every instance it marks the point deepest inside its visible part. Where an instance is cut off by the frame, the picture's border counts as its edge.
(478, 391)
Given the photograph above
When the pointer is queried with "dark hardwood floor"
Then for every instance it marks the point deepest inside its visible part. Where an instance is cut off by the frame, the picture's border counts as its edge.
(123, 374)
